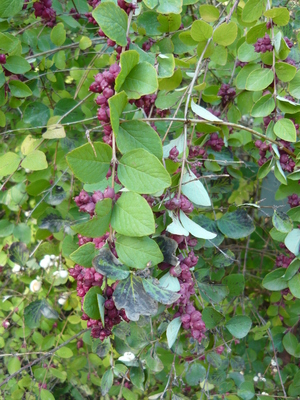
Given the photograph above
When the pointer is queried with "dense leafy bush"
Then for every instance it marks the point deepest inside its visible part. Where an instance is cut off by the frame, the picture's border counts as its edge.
(150, 199)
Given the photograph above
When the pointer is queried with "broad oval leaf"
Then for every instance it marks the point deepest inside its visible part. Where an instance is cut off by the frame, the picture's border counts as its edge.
(285, 129)
(86, 166)
(282, 222)
(236, 224)
(259, 79)
(138, 252)
(136, 135)
(239, 326)
(142, 172)
(292, 241)
(275, 280)
(132, 216)
(90, 303)
(113, 21)
(294, 286)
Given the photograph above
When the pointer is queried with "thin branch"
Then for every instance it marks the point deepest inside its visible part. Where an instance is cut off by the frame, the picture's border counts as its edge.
(42, 357)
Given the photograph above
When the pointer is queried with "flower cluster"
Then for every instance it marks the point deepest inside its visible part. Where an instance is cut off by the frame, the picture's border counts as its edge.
(43, 9)
(104, 85)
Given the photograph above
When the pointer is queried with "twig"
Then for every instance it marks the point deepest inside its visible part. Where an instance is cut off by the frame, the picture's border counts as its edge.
(41, 358)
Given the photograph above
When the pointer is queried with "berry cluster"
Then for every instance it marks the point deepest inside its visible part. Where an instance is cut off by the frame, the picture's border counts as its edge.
(182, 203)
(286, 161)
(87, 203)
(263, 44)
(89, 277)
(146, 46)
(104, 85)
(294, 200)
(241, 64)
(43, 9)
(190, 317)
(215, 142)
(227, 93)
(74, 14)
(2, 59)
(263, 148)
(289, 43)
(284, 260)
(174, 153)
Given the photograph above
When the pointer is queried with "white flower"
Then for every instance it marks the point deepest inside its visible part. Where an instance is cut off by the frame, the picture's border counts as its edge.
(273, 363)
(263, 379)
(62, 301)
(35, 285)
(45, 262)
(62, 273)
(16, 268)
(255, 379)
(128, 356)
(275, 370)
(265, 394)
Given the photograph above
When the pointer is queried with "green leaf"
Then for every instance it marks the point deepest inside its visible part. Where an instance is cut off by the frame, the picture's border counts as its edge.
(259, 79)
(280, 15)
(275, 280)
(285, 129)
(137, 377)
(8, 42)
(169, 282)
(213, 293)
(58, 34)
(235, 284)
(159, 293)
(85, 166)
(285, 72)
(90, 303)
(6, 228)
(132, 216)
(9, 162)
(153, 362)
(201, 30)
(63, 109)
(142, 172)
(236, 224)
(196, 372)
(64, 352)
(246, 391)
(36, 114)
(84, 255)
(294, 286)
(8, 8)
(35, 161)
(239, 326)
(209, 13)
(128, 60)
(19, 253)
(99, 224)
(292, 269)
(225, 34)
(130, 295)
(263, 107)
(172, 331)
(246, 53)
(290, 343)
(113, 22)
(107, 264)
(117, 103)
(17, 65)
(138, 253)
(13, 365)
(195, 229)
(107, 378)
(252, 10)
(19, 89)
(166, 65)
(224, 259)
(85, 42)
(46, 395)
(194, 190)
(211, 317)
(169, 6)
(282, 222)
(141, 80)
(136, 135)
(292, 241)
